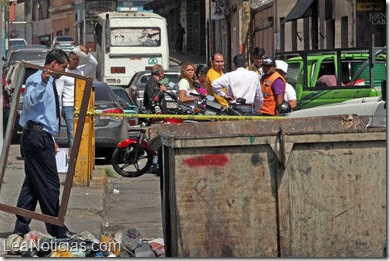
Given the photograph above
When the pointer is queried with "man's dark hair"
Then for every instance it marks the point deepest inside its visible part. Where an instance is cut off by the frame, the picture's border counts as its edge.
(201, 68)
(239, 60)
(57, 55)
(258, 51)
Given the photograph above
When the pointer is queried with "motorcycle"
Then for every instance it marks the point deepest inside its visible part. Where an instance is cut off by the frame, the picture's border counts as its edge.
(133, 157)
(208, 106)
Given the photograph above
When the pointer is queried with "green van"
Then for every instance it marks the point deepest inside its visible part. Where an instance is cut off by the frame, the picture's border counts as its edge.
(330, 76)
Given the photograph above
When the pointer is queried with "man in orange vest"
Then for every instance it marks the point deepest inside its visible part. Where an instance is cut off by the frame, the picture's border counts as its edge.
(273, 87)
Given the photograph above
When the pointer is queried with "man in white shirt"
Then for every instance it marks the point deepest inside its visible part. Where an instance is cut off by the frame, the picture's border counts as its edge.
(290, 95)
(65, 84)
(240, 83)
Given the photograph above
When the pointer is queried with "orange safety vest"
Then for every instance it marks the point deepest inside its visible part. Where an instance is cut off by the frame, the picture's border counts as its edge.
(269, 99)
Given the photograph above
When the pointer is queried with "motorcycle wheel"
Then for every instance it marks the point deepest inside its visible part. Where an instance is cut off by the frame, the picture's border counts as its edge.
(121, 159)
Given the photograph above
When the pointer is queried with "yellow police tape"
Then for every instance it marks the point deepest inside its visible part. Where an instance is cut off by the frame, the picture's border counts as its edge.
(190, 117)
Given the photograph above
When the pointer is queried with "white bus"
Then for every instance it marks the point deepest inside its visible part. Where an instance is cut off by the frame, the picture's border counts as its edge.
(128, 42)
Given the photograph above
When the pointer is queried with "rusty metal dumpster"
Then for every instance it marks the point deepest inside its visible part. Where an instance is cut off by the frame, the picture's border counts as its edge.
(308, 187)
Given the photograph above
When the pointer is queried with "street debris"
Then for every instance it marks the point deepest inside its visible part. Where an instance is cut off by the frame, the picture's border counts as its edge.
(125, 243)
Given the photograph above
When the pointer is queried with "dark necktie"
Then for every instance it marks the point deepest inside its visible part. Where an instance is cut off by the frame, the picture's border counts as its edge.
(57, 102)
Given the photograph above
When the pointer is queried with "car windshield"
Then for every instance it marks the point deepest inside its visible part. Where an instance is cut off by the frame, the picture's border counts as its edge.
(122, 95)
(16, 42)
(27, 56)
(170, 80)
(64, 39)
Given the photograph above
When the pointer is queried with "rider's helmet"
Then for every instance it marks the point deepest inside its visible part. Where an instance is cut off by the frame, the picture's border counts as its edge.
(285, 108)
(268, 61)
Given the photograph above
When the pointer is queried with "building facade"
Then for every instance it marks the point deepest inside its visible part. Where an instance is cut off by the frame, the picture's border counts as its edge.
(227, 26)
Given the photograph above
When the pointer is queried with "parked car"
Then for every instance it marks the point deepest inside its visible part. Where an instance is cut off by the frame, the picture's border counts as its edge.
(138, 81)
(23, 46)
(9, 43)
(109, 131)
(373, 107)
(66, 43)
(128, 104)
(35, 56)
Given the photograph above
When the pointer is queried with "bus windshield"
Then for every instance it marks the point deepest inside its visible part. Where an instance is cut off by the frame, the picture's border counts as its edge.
(136, 37)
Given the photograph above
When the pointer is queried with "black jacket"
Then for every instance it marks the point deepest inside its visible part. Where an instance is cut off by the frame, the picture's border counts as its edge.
(152, 89)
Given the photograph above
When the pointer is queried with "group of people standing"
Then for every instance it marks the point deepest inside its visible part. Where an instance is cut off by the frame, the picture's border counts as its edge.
(48, 94)
(262, 83)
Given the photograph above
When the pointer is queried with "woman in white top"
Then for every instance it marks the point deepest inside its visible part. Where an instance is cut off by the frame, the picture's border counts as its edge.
(186, 84)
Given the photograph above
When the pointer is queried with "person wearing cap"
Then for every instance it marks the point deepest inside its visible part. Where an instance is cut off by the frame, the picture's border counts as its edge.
(257, 57)
(290, 95)
(240, 83)
(65, 84)
(273, 86)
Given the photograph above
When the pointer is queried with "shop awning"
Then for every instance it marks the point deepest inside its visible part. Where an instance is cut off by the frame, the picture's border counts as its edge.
(300, 10)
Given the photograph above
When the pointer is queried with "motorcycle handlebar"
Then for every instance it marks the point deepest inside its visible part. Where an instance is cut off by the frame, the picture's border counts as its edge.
(198, 95)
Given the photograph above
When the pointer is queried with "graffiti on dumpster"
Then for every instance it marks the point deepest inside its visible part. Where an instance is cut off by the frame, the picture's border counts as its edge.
(208, 160)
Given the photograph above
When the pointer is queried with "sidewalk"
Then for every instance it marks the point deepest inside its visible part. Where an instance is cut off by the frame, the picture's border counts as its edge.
(85, 208)
(110, 204)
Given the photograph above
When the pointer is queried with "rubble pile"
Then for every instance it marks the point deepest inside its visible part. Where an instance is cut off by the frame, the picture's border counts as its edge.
(125, 243)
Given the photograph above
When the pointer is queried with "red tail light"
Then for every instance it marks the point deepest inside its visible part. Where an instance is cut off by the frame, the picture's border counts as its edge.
(118, 70)
(115, 110)
(132, 122)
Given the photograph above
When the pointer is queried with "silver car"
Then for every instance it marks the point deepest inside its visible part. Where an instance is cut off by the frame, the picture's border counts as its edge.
(138, 81)
(109, 130)
(32, 55)
(65, 42)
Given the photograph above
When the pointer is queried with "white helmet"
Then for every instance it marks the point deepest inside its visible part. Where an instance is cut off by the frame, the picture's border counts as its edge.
(282, 65)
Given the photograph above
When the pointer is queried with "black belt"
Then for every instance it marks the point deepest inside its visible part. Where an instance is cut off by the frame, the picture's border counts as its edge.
(36, 127)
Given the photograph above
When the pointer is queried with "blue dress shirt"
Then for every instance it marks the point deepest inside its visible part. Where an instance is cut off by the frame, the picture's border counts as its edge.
(39, 104)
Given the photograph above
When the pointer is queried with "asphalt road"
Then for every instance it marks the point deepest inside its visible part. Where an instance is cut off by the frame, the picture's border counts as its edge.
(133, 203)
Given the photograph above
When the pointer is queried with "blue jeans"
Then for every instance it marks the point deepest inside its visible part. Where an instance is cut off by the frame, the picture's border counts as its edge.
(68, 114)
